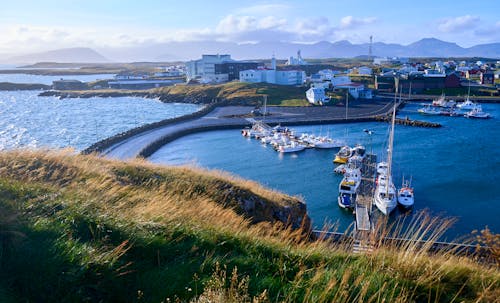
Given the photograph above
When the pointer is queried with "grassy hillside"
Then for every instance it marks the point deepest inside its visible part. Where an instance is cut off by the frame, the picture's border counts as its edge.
(84, 229)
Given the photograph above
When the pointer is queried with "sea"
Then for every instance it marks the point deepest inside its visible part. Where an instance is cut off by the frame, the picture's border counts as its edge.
(454, 169)
(30, 121)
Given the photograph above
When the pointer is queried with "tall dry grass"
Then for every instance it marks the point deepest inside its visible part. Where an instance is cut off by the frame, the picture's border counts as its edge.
(200, 204)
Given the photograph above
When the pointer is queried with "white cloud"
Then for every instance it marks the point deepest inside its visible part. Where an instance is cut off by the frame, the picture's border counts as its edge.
(458, 24)
(350, 22)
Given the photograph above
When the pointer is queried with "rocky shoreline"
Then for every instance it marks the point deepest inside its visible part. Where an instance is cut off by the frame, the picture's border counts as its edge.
(23, 86)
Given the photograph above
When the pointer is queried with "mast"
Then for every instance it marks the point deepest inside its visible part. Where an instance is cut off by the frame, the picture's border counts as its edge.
(346, 103)
(265, 108)
(389, 152)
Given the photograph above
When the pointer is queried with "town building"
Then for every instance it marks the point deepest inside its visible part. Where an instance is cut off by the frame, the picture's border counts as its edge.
(317, 96)
(216, 68)
(281, 77)
(487, 77)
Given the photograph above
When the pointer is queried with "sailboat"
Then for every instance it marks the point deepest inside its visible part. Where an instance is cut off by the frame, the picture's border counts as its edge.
(385, 191)
(467, 104)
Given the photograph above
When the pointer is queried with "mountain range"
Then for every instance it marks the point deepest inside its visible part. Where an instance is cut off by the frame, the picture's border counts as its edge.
(181, 51)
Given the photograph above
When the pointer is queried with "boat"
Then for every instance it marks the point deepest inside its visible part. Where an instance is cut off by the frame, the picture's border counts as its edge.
(343, 155)
(291, 147)
(449, 112)
(382, 168)
(467, 104)
(348, 187)
(442, 102)
(406, 197)
(477, 113)
(428, 110)
(325, 142)
(385, 191)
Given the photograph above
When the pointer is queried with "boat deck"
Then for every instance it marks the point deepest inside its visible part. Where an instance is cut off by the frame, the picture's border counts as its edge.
(363, 207)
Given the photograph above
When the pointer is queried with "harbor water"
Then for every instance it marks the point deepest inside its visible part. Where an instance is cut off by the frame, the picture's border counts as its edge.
(454, 169)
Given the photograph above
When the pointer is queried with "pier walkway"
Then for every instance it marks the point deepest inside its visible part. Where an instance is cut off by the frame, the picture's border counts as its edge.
(146, 143)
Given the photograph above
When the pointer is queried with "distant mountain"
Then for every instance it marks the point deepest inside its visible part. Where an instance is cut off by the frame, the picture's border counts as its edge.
(182, 51)
(428, 47)
(65, 55)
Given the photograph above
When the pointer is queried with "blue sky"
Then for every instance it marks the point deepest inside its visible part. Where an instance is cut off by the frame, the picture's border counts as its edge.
(42, 25)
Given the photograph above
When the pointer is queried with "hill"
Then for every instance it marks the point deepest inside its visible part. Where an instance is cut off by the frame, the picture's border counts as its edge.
(85, 229)
(65, 55)
(190, 50)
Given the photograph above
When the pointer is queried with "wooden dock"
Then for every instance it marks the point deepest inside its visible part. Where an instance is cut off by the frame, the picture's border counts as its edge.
(363, 206)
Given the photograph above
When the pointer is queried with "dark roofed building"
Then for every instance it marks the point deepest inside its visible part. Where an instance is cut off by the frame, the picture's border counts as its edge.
(233, 69)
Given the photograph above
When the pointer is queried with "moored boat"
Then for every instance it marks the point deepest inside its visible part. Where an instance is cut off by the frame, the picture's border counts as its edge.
(343, 155)
(477, 113)
(348, 187)
(406, 196)
(428, 110)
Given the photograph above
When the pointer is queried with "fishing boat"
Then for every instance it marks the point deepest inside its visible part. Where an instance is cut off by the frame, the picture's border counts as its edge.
(406, 197)
(450, 112)
(442, 102)
(348, 187)
(428, 110)
(477, 113)
(385, 191)
(343, 155)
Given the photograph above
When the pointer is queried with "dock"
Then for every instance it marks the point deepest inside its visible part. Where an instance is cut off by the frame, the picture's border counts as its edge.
(363, 207)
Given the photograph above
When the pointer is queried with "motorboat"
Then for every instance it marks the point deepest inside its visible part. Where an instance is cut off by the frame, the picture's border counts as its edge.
(449, 112)
(343, 155)
(467, 105)
(291, 147)
(428, 110)
(477, 113)
(406, 196)
(348, 187)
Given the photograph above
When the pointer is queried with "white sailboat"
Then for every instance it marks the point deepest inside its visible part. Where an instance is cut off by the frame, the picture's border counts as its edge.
(467, 104)
(385, 191)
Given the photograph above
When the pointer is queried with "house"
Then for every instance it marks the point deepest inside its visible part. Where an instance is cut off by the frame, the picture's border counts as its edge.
(316, 95)
(357, 90)
(487, 77)
(281, 77)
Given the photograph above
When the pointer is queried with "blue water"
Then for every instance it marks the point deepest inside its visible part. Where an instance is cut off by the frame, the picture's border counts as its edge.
(454, 169)
(27, 120)
(40, 79)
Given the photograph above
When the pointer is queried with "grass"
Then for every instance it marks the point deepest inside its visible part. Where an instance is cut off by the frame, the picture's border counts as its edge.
(81, 228)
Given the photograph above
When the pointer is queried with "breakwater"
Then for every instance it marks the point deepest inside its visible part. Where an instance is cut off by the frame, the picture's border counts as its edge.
(407, 121)
(100, 146)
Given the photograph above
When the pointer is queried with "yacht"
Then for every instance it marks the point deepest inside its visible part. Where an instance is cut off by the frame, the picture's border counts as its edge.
(291, 147)
(348, 187)
(325, 142)
(406, 197)
(385, 191)
(343, 155)
(477, 113)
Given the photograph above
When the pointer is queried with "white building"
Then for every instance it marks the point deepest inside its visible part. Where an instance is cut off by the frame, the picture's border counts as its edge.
(296, 61)
(288, 77)
(316, 95)
(204, 68)
(357, 90)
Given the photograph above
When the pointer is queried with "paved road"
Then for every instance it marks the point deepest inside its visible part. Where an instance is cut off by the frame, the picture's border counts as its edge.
(232, 116)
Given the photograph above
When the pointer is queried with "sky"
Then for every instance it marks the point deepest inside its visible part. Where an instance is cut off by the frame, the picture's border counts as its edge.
(38, 25)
